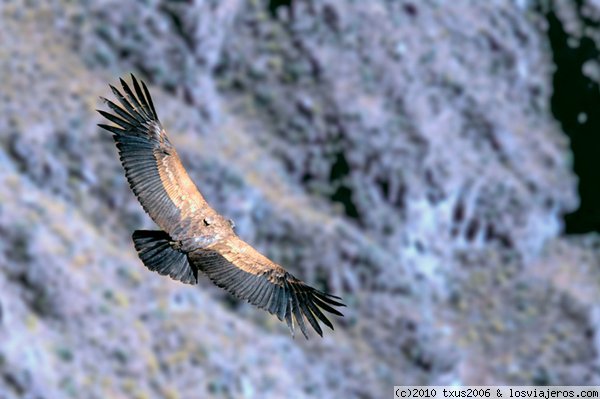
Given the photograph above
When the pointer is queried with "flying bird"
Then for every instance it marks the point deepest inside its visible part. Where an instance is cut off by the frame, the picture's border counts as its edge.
(193, 237)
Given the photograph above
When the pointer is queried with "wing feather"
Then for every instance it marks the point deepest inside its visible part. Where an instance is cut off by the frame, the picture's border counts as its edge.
(296, 308)
(126, 104)
(303, 300)
(119, 111)
(288, 315)
(116, 120)
(282, 305)
(237, 267)
(149, 99)
(143, 102)
(317, 312)
(273, 305)
(134, 101)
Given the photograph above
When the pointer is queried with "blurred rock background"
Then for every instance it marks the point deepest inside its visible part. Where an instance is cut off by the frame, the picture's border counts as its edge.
(402, 154)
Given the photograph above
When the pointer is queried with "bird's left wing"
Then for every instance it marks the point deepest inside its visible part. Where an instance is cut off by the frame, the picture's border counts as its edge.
(152, 166)
(247, 274)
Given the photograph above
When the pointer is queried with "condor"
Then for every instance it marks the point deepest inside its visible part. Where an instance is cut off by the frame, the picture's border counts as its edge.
(193, 236)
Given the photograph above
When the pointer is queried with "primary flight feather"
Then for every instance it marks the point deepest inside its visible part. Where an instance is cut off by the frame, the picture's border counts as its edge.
(193, 236)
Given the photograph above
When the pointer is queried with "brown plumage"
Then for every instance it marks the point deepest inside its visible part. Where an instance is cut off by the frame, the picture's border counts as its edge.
(193, 236)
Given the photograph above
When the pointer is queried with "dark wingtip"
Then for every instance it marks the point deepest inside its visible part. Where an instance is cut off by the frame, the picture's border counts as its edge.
(327, 298)
(126, 88)
(112, 129)
(134, 80)
(149, 98)
(318, 332)
(333, 296)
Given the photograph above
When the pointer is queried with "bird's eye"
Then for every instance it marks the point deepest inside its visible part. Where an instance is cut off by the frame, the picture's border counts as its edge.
(207, 221)
(231, 223)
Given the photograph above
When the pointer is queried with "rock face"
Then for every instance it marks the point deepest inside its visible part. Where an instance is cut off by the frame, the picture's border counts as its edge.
(399, 154)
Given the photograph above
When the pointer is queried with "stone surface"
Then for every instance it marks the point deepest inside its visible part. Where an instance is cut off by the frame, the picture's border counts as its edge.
(400, 154)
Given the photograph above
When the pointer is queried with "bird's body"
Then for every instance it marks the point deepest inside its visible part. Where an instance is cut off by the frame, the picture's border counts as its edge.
(193, 236)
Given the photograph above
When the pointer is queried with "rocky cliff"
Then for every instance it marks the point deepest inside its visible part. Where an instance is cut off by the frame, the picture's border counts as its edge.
(400, 154)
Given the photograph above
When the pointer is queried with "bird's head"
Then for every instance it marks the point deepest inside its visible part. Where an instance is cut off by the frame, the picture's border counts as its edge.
(217, 223)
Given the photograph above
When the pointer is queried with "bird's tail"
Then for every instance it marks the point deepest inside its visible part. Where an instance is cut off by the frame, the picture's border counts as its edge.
(156, 249)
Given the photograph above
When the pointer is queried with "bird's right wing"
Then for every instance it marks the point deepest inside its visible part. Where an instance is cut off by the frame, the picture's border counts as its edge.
(247, 274)
(152, 166)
